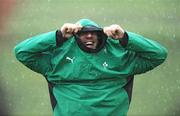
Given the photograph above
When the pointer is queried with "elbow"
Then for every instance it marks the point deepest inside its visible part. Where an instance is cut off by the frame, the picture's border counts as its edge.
(18, 53)
(164, 53)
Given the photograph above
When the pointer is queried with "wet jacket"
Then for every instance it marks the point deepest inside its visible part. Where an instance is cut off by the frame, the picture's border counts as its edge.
(89, 84)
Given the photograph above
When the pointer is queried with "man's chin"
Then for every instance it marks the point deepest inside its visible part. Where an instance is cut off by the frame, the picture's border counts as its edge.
(91, 46)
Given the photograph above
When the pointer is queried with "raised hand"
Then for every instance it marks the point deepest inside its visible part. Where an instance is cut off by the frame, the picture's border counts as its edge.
(68, 29)
(114, 31)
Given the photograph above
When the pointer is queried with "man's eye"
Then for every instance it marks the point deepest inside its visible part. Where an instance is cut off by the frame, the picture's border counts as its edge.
(82, 34)
(86, 33)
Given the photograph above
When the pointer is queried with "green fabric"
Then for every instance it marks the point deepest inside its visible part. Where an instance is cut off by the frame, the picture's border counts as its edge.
(89, 84)
(87, 22)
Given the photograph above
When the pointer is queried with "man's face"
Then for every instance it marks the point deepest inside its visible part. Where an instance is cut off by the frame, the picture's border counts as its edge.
(89, 39)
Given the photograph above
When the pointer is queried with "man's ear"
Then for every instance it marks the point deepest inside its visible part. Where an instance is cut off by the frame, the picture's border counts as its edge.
(76, 35)
(102, 35)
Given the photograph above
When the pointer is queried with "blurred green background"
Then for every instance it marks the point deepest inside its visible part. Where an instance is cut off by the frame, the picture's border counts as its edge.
(155, 93)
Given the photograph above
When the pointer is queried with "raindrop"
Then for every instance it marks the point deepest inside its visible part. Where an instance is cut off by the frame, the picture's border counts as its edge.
(23, 76)
(177, 81)
(16, 79)
(42, 103)
(93, 9)
(148, 57)
(28, 24)
(12, 61)
(76, 7)
(82, 12)
(149, 92)
(105, 51)
(104, 19)
(165, 109)
(10, 104)
(162, 87)
(102, 8)
(30, 34)
(177, 69)
(165, 100)
(170, 17)
(174, 113)
(174, 36)
(7, 83)
(157, 91)
(178, 87)
(167, 89)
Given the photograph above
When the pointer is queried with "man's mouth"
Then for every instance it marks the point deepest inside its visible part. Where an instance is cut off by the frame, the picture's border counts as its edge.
(89, 44)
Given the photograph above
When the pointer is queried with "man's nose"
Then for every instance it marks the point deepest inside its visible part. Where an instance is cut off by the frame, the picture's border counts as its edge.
(89, 34)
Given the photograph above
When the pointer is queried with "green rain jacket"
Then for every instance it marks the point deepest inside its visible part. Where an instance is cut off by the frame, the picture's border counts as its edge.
(89, 84)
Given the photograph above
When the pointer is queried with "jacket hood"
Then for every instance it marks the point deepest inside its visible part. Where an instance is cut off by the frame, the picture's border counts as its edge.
(87, 22)
(88, 26)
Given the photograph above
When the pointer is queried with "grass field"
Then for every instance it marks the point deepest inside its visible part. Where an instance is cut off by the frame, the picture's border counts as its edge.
(155, 93)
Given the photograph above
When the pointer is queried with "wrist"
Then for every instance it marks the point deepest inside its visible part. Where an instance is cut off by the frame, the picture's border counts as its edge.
(124, 39)
(59, 38)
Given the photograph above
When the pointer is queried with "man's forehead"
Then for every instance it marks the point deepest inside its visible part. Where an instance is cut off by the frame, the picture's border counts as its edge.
(89, 32)
(91, 28)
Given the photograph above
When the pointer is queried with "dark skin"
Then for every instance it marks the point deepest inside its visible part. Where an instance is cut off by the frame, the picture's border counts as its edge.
(90, 39)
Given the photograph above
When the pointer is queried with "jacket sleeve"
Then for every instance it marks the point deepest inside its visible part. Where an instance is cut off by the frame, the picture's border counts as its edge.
(35, 51)
(144, 54)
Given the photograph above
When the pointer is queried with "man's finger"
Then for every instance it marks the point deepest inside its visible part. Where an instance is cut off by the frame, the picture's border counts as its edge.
(63, 29)
(78, 26)
(69, 30)
(109, 33)
(113, 31)
(76, 30)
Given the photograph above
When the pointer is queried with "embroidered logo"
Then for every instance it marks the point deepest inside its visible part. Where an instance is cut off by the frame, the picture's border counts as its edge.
(70, 59)
(105, 65)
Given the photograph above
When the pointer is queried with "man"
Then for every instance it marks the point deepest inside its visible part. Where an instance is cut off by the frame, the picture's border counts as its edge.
(88, 68)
